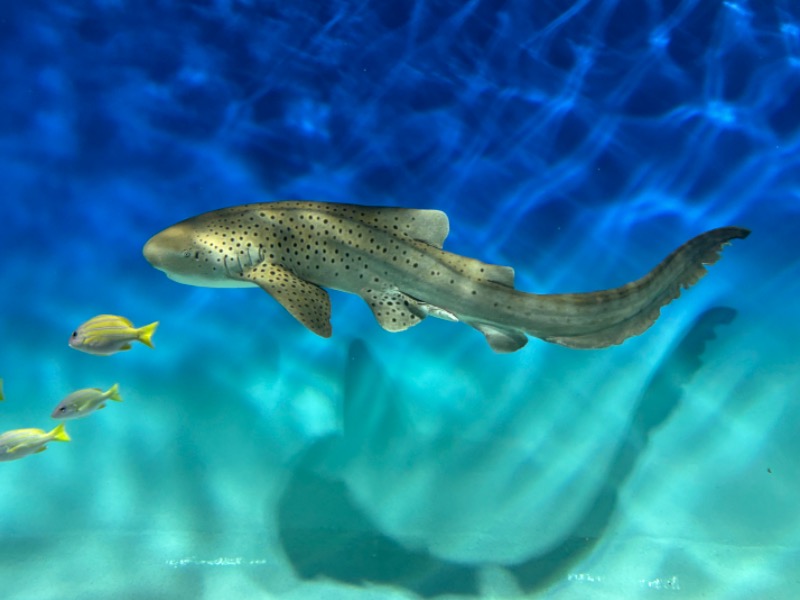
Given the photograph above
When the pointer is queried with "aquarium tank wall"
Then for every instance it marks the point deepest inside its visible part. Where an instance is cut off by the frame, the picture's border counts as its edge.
(577, 143)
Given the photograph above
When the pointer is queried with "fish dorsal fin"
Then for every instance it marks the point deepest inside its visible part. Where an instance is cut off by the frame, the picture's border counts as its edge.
(107, 320)
(425, 225)
(306, 302)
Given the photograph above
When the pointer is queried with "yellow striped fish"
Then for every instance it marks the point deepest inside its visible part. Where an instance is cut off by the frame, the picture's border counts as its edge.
(107, 334)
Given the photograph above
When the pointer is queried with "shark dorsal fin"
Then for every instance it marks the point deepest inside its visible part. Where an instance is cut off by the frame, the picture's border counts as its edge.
(428, 226)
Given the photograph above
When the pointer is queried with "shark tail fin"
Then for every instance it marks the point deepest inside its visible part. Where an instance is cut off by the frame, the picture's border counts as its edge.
(633, 308)
(145, 334)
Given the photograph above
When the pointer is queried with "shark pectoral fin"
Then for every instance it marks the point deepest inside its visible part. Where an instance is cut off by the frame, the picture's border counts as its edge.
(502, 340)
(306, 302)
(394, 310)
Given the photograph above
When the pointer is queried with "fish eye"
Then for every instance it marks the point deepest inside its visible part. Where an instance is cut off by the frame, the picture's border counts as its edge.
(74, 334)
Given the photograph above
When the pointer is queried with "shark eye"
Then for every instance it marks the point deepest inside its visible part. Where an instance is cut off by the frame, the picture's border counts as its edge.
(62, 409)
(186, 254)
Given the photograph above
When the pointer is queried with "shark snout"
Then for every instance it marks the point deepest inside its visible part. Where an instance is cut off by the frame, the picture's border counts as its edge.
(151, 252)
(169, 249)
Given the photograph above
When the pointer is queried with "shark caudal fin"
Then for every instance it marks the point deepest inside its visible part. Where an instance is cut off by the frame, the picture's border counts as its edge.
(631, 309)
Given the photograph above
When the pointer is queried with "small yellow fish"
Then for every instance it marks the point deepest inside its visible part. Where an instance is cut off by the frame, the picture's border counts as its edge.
(19, 443)
(106, 334)
(84, 402)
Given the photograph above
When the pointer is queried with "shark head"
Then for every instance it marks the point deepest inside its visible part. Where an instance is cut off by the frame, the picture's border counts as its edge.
(188, 255)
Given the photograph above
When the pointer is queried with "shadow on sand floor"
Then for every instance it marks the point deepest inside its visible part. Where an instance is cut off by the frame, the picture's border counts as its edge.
(324, 533)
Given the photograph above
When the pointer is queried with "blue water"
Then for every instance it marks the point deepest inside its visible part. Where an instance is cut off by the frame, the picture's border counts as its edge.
(578, 142)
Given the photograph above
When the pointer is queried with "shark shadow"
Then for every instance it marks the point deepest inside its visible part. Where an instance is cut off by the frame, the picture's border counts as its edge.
(325, 534)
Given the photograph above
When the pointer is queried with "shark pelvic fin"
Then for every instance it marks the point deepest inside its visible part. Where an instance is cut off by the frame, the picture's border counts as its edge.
(394, 310)
(306, 302)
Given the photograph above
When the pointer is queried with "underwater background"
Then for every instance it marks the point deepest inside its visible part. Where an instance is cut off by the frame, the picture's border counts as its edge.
(579, 142)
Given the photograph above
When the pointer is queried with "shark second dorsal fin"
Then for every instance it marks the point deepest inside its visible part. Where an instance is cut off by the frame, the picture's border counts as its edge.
(477, 269)
(306, 302)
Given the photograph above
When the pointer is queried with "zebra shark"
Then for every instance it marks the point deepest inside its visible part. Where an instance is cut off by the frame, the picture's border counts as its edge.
(393, 259)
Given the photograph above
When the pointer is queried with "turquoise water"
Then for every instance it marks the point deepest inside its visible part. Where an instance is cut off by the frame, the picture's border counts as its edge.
(252, 459)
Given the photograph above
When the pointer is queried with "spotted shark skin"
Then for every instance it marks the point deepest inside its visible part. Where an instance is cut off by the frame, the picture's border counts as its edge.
(393, 259)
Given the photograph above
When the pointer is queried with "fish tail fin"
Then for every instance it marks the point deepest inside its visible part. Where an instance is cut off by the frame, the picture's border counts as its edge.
(59, 433)
(113, 393)
(620, 313)
(146, 334)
